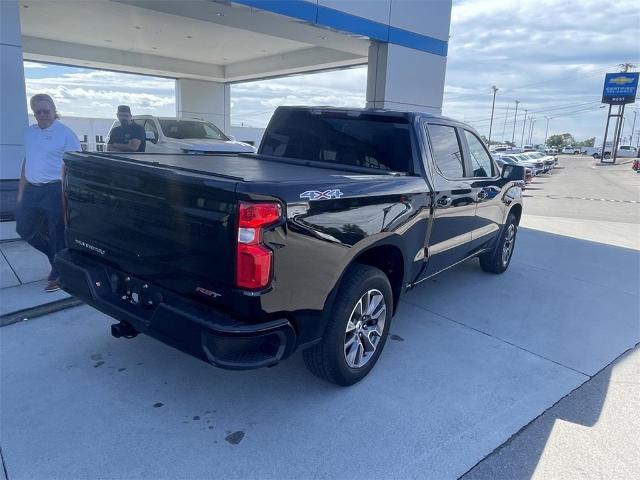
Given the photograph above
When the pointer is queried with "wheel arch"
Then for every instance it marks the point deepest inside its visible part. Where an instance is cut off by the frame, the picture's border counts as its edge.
(389, 259)
(517, 212)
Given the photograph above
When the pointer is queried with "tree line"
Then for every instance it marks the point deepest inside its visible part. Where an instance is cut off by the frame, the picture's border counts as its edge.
(568, 140)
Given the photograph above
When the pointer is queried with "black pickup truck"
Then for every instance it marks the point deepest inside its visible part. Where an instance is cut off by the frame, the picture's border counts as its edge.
(241, 259)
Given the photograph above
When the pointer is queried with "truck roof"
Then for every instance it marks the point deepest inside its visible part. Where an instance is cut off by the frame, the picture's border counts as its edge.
(408, 115)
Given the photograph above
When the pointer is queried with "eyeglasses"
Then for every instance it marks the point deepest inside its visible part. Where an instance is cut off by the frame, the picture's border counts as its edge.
(42, 112)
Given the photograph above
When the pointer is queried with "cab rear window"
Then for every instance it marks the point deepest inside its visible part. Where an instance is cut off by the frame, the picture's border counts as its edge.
(361, 140)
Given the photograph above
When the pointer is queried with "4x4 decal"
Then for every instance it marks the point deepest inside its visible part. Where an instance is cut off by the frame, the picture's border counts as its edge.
(318, 195)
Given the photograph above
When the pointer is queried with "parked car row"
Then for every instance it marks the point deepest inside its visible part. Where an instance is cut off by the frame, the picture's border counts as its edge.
(624, 151)
(535, 163)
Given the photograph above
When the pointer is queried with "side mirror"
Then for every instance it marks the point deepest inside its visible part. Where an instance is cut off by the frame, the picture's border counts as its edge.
(150, 136)
(513, 173)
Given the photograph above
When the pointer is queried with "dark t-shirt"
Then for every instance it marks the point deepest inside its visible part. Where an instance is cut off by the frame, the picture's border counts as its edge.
(122, 134)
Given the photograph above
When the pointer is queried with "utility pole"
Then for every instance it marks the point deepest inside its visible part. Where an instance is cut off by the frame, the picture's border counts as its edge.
(546, 131)
(513, 135)
(533, 122)
(504, 127)
(523, 125)
(633, 126)
(495, 89)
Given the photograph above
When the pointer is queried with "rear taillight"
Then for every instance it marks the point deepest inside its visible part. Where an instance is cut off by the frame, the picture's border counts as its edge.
(253, 259)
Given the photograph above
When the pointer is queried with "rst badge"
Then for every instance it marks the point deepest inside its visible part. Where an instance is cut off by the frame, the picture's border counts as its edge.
(321, 195)
(209, 293)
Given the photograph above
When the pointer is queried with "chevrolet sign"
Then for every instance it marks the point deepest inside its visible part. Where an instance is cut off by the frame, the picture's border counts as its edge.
(620, 88)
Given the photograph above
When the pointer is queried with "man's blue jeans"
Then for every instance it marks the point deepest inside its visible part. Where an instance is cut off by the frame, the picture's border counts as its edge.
(40, 220)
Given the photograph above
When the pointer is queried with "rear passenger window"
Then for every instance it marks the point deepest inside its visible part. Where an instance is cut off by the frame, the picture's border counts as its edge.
(447, 153)
(480, 160)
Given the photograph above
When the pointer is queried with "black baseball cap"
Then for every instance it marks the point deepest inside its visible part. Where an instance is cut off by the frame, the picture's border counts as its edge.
(124, 109)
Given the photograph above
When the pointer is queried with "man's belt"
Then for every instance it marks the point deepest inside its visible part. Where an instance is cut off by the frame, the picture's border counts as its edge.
(44, 184)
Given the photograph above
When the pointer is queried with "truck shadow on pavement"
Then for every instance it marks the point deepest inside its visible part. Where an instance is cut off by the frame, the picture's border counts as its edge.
(520, 456)
(472, 358)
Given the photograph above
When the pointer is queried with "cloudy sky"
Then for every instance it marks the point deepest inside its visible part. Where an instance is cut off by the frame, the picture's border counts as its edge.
(550, 55)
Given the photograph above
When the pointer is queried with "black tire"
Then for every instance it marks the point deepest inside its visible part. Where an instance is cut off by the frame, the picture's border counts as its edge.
(328, 359)
(498, 260)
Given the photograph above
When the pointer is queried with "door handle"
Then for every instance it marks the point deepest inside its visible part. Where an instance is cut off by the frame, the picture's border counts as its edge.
(444, 201)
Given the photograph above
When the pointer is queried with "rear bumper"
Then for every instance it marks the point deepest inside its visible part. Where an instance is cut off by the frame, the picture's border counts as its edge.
(199, 330)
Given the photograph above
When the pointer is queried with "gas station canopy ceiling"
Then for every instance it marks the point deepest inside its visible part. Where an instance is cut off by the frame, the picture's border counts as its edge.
(198, 39)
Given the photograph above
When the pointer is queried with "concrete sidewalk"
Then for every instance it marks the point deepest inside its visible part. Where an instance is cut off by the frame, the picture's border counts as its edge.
(594, 432)
(23, 274)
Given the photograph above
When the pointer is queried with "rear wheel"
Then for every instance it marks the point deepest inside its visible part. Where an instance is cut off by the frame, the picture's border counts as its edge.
(498, 259)
(358, 328)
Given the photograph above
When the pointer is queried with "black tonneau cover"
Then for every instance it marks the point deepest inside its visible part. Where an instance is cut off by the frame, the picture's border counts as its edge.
(242, 167)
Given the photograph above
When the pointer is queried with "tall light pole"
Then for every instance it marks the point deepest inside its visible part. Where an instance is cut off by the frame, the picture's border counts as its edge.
(546, 131)
(523, 125)
(504, 127)
(513, 135)
(633, 127)
(493, 105)
(533, 122)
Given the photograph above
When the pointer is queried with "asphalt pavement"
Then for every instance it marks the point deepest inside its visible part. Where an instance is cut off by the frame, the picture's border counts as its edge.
(484, 375)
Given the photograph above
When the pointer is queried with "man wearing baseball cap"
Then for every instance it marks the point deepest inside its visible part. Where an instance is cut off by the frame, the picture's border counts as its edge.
(129, 136)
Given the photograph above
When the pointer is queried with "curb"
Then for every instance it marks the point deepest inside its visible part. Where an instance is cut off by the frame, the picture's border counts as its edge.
(38, 311)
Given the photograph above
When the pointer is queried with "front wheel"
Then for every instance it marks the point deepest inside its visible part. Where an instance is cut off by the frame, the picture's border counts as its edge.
(498, 259)
(357, 330)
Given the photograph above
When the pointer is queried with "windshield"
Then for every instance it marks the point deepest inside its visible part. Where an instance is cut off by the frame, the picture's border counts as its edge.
(182, 129)
(508, 160)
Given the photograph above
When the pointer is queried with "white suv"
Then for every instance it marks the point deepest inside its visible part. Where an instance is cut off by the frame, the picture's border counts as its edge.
(180, 135)
(570, 150)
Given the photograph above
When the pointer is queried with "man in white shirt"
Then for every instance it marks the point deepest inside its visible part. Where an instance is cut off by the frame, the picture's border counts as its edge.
(39, 213)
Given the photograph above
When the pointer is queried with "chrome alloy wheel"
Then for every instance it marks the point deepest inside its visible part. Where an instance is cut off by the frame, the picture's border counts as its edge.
(364, 328)
(509, 241)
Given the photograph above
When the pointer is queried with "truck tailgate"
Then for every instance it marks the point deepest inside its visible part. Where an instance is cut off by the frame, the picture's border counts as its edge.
(171, 226)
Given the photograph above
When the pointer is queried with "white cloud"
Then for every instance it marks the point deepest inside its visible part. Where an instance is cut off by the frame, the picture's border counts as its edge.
(96, 93)
(544, 53)
(254, 103)
(33, 65)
